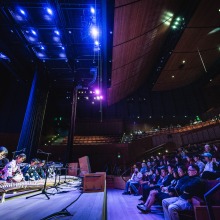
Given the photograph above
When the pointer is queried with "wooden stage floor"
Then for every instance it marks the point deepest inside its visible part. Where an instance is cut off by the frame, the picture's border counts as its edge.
(87, 207)
(123, 207)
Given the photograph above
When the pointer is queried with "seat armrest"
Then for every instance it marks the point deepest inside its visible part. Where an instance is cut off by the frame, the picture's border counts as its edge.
(197, 201)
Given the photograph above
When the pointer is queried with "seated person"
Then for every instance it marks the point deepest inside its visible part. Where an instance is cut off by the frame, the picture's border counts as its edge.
(29, 171)
(211, 167)
(164, 180)
(180, 178)
(193, 187)
(135, 178)
(3, 155)
(12, 172)
(199, 163)
(41, 169)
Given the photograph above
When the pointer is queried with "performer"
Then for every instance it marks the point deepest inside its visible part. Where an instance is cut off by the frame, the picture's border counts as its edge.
(3, 155)
(29, 171)
(41, 169)
(12, 172)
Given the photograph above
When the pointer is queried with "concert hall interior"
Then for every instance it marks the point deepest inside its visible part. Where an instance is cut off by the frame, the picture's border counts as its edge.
(109, 109)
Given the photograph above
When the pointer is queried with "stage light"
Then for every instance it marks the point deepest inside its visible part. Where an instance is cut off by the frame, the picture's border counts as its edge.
(63, 55)
(32, 39)
(49, 11)
(33, 32)
(22, 11)
(183, 61)
(57, 39)
(57, 32)
(92, 10)
(96, 43)
(42, 47)
(94, 32)
(40, 55)
(97, 91)
(62, 48)
(173, 76)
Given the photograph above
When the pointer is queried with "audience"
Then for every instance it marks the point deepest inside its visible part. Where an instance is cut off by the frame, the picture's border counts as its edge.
(193, 187)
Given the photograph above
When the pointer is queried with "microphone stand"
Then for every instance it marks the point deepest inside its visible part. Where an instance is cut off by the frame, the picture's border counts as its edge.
(44, 192)
(18, 151)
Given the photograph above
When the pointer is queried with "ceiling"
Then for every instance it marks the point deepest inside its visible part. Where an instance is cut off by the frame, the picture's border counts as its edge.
(164, 44)
(63, 36)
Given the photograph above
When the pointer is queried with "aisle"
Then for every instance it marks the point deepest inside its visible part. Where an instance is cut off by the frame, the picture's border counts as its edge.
(123, 207)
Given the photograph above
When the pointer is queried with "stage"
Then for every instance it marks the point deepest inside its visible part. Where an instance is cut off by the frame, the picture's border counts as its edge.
(87, 206)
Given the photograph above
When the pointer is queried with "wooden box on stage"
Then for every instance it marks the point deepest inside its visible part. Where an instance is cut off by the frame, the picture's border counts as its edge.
(94, 182)
(72, 169)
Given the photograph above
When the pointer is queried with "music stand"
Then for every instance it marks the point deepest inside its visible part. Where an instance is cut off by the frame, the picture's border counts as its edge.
(44, 192)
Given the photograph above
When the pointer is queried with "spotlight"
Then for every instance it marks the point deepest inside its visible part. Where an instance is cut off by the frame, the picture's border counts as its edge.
(94, 32)
(96, 43)
(42, 47)
(57, 32)
(49, 11)
(92, 10)
(22, 12)
(97, 91)
(33, 32)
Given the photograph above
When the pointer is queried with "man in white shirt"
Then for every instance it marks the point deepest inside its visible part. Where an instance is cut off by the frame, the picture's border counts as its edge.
(135, 178)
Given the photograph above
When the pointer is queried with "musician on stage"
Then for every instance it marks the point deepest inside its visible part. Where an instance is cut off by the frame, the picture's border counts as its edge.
(41, 170)
(29, 171)
(3, 155)
(3, 159)
(12, 172)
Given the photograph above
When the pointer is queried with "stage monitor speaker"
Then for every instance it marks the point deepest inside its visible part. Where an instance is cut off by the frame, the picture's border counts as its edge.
(84, 165)
(72, 169)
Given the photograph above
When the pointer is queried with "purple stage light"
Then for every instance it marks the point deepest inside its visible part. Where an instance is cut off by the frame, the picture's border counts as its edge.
(97, 91)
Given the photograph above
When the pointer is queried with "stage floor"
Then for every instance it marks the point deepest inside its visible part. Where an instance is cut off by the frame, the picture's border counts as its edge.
(89, 206)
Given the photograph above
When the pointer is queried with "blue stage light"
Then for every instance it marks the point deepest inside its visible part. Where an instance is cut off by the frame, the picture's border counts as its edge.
(32, 39)
(94, 32)
(57, 32)
(40, 55)
(96, 43)
(33, 32)
(63, 55)
(56, 39)
(49, 11)
(63, 48)
(22, 12)
(92, 10)
(42, 47)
